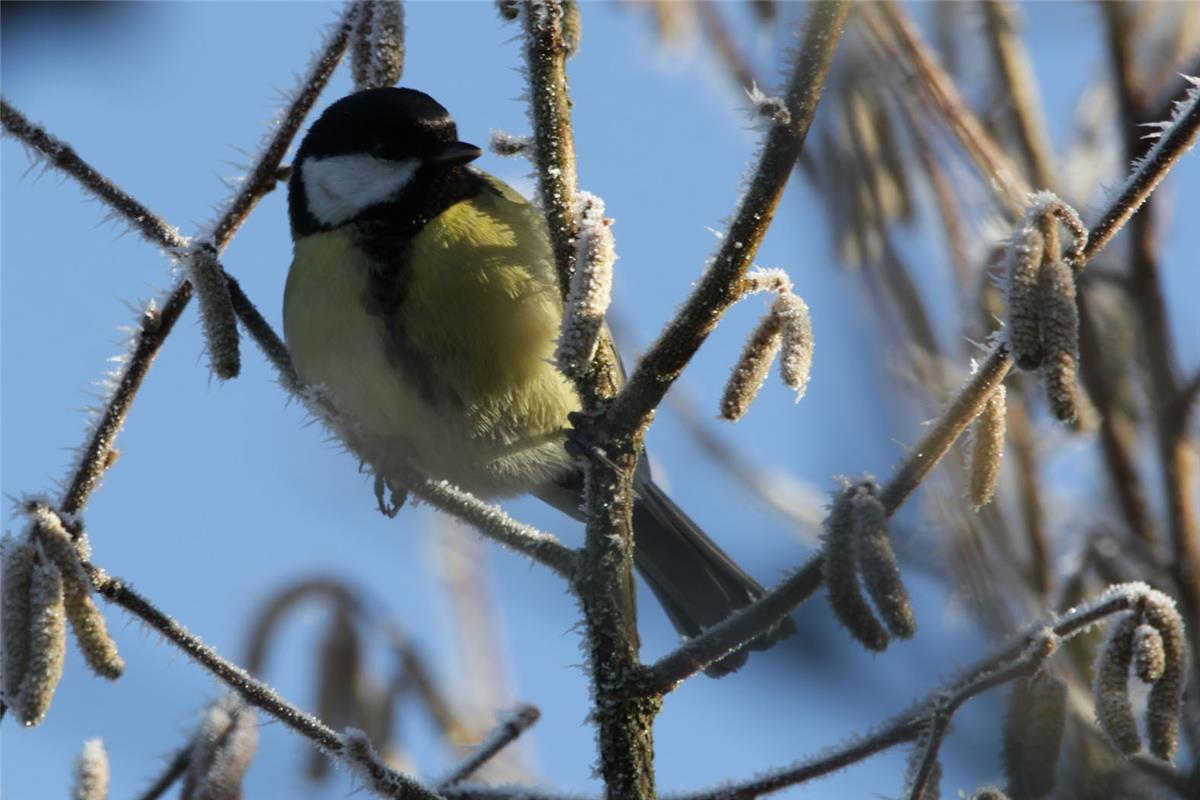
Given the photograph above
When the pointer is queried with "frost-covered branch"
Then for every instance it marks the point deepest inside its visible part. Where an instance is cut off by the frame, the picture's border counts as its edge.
(258, 694)
(929, 718)
(719, 287)
(263, 174)
(156, 324)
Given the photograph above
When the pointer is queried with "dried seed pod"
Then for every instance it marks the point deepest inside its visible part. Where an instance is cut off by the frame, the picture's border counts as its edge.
(1114, 711)
(18, 559)
(1166, 695)
(221, 751)
(987, 446)
(752, 367)
(91, 772)
(880, 572)
(1149, 660)
(47, 643)
(1024, 259)
(841, 574)
(1060, 338)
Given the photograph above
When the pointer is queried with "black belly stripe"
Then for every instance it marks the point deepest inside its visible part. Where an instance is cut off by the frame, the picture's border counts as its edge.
(385, 233)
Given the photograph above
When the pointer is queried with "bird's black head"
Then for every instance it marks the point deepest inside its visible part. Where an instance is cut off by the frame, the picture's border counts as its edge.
(372, 149)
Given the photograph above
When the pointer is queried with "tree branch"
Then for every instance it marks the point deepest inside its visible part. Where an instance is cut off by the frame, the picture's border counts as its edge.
(719, 287)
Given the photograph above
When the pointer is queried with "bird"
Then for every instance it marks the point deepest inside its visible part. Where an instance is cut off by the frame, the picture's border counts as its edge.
(422, 297)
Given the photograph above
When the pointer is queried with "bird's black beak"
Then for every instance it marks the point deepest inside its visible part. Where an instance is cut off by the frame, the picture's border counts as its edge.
(456, 154)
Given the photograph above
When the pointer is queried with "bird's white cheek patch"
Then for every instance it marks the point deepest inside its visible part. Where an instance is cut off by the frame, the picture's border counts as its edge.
(339, 187)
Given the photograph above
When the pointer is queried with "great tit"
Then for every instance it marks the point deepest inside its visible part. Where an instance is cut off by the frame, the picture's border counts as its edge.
(423, 298)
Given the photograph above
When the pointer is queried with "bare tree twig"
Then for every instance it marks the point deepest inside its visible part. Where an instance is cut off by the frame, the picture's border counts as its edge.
(512, 726)
(717, 289)
(937, 88)
(173, 772)
(253, 691)
(157, 325)
(1016, 74)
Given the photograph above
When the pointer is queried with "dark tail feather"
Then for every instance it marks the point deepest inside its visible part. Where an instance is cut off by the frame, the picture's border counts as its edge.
(696, 582)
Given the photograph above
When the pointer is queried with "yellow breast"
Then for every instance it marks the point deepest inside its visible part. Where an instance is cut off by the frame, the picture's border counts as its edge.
(480, 314)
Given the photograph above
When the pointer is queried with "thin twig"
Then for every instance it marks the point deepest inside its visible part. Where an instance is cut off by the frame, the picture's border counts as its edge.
(173, 772)
(253, 691)
(718, 288)
(895, 32)
(1016, 75)
(156, 325)
(1019, 656)
(512, 726)
(758, 617)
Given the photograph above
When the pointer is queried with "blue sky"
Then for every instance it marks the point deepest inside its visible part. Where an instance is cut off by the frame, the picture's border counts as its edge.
(224, 493)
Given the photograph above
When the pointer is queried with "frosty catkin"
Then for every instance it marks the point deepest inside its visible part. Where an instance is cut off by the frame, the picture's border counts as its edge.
(987, 446)
(18, 557)
(842, 571)
(591, 288)
(877, 561)
(1166, 695)
(1114, 709)
(377, 46)
(750, 371)
(1043, 733)
(47, 643)
(1024, 265)
(1060, 338)
(91, 772)
(91, 631)
(221, 751)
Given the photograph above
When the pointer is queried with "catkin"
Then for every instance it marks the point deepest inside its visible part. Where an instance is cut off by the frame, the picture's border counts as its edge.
(987, 445)
(795, 363)
(1166, 695)
(880, 572)
(1060, 338)
(1114, 710)
(841, 575)
(1024, 264)
(47, 643)
(750, 371)
(91, 631)
(1043, 733)
(18, 559)
(91, 772)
